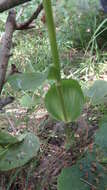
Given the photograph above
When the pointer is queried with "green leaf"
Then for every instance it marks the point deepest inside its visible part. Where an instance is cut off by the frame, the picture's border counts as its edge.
(73, 100)
(7, 139)
(103, 120)
(101, 140)
(30, 102)
(69, 179)
(85, 175)
(101, 135)
(27, 101)
(2, 151)
(19, 154)
(27, 81)
(98, 92)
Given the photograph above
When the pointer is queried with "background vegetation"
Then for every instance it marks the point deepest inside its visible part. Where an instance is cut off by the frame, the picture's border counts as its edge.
(81, 28)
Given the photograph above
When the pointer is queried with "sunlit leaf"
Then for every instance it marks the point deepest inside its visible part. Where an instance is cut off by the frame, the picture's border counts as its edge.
(98, 92)
(27, 81)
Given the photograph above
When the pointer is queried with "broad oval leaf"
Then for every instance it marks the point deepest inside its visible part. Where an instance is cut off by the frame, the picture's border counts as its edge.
(101, 140)
(74, 178)
(19, 154)
(98, 92)
(73, 100)
(101, 134)
(69, 179)
(27, 81)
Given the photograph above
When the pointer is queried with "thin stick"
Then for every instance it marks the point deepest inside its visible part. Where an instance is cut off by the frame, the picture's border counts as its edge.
(83, 180)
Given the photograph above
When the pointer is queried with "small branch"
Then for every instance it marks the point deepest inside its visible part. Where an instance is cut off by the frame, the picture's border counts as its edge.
(91, 185)
(20, 12)
(7, 4)
(27, 24)
(6, 46)
(6, 41)
(30, 26)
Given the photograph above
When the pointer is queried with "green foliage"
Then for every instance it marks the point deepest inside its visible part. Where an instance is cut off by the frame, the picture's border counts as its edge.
(77, 25)
(27, 101)
(70, 179)
(73, 100)
(86, 174)
(101, 141)
(100, 137)
(27, 81)
(98, 92)
(81, 18)
(64, 101)
(51, 33)
(17, 155)
(53, 73)
(8, 139)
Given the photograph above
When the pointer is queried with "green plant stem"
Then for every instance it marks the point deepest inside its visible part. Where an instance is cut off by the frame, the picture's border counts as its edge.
(52, 33)
(54, 49)
(67, 133)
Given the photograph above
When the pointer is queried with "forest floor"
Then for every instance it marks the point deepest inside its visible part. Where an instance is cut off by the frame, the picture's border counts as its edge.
(42, 172)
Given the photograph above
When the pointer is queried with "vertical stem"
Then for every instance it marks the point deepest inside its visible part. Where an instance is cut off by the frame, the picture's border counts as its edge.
(51, 32)
(54, 49)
